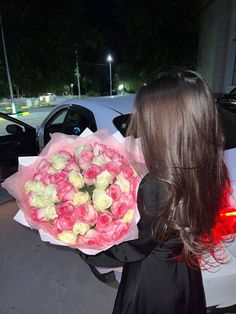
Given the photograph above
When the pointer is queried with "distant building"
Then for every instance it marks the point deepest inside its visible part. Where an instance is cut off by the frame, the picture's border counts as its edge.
(217, 44)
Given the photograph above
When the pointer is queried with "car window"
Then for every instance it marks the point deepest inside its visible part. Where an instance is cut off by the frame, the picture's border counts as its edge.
(4, 126)
(54, 124)
(16, 139)
(122, 122)
(72, 121)
(59, 117)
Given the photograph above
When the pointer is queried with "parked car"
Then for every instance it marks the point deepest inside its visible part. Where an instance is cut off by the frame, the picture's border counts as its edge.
(71, 117)
(228, 101)
(113, 113)
(48, 97)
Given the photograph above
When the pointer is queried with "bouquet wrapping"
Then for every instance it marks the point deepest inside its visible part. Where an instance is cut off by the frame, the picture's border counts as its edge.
(81, 191)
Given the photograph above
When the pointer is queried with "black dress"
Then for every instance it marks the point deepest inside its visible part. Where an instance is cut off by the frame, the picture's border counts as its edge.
(153, 282)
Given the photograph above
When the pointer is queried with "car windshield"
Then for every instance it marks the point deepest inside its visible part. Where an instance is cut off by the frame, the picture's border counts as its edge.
(122, 122)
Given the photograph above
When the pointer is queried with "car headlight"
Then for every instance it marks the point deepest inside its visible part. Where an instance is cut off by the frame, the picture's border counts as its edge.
(47, 98)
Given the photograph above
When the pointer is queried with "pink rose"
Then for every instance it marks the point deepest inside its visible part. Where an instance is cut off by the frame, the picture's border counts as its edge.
(72, 166)
(118, 231)
(98, 149)
(67, 155)
(43, 166)
(58, 177)
(42, 177)
(107, 238)
(114, 191)
(35, 217)
(91, 238)
(65, 191)
(112, 167)
(91, 172)
(85, 213)
(64, 222)
(67, 196)
(119, 209)
(104, 222)
(121, 230)
(134, 182)
(127, 171)
(85, 159)
(110, 153)
(128, 199)
(118, 160)
(64, 208)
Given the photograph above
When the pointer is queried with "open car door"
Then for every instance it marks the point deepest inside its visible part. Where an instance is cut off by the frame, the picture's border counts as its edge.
(16, 139)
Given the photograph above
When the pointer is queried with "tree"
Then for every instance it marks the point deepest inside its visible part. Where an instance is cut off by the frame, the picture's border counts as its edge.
(41, 43)
(160, 35)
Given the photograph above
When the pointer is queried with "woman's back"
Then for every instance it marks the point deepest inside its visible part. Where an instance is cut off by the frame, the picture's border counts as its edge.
(158, 283)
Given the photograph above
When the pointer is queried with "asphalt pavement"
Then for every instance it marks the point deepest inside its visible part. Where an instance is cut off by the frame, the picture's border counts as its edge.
(39, 278)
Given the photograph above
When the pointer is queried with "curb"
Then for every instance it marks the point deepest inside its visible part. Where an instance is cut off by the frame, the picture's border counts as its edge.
(22, 107)
(26, 113)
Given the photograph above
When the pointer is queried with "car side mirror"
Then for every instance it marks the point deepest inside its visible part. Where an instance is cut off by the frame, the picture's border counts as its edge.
(14, 129)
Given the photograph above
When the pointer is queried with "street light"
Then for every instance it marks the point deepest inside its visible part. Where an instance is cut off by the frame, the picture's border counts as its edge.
(121, 88)
(71, 86)
(109, 59)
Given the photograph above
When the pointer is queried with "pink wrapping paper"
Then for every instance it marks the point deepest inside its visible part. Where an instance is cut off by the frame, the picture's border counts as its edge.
(15, 184)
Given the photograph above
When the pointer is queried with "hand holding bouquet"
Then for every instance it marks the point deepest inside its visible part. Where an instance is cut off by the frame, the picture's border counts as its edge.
(80, 190)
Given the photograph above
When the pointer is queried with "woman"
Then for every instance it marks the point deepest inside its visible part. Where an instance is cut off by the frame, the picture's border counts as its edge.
(177, 122)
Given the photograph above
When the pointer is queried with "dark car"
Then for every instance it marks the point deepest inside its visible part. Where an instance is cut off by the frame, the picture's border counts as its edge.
(228, 101)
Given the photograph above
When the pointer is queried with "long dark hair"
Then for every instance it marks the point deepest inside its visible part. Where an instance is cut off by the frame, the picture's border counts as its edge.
(177, 121)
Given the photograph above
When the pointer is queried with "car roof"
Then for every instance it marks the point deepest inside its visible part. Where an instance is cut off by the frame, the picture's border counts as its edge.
(122, 104)
(104, 108)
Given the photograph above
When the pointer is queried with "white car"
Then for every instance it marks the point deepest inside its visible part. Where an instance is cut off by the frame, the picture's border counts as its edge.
(48, 97)
(73, 117)
(113, 113)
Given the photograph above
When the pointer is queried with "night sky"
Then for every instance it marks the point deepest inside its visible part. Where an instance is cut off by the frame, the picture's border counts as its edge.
(144, 38)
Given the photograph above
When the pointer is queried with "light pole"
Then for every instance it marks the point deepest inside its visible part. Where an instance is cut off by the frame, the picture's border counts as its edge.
(13, 108)
(77, 73)
(109, 60)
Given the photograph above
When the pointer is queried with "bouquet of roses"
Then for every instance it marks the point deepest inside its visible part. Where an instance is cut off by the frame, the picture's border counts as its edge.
(80, 191)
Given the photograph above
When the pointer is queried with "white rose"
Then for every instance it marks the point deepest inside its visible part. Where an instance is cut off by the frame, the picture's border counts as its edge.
(38, 201)
(76, 179)
(123, 184)
(80, 228)
(34, 186)
(58, 161)
(100, 160)
(67, 237)
(101, 199)
(50, 193)
(48, 213)
(103, 180)
(80, 198)
(78, 150)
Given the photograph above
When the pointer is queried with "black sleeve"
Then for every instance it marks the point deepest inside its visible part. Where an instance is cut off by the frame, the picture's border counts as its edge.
(150, 194)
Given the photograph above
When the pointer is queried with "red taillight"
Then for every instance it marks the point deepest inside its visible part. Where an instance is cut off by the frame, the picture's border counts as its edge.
(228, 212)
(226, 223)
